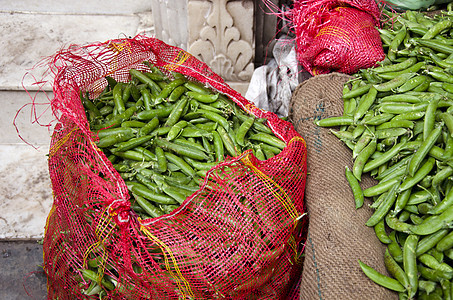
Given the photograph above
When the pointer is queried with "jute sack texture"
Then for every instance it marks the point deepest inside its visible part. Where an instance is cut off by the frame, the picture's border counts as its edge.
(337, 234)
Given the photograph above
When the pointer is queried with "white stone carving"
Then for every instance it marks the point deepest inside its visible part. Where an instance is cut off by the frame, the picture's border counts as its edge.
(221, 34)
(170, 21)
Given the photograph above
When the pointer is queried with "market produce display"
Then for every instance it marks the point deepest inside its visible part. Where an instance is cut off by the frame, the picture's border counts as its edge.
(167, 183)
(163, 134)
(398, 123)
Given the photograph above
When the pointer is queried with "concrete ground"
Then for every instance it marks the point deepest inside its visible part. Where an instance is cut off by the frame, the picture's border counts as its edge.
(21, 275)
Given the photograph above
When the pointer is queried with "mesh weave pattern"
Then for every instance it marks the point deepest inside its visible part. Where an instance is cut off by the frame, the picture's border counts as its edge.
(240, 236)
(337, 35)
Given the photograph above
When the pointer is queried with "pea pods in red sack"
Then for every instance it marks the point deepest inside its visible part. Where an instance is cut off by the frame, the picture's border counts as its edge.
(336, 36)
(238, 233)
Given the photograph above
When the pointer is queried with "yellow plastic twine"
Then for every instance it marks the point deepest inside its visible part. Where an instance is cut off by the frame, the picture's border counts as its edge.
(101, 234)
(183, 285)
(60, 142)
(179, 59)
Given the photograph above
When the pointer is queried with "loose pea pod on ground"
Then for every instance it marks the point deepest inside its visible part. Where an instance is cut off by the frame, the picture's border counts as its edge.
(404, 106)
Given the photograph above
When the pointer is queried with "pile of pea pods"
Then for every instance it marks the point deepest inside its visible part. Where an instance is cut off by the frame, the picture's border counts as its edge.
(398, 123)
(163, 132)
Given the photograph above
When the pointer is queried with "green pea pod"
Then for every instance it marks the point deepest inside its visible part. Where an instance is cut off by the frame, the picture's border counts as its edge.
(242, 131)
(130, 144)
(154, 87)
(176, 113)
(150, 126)
(176, 130)
(412, 69)
(380, 232)
(410, 181)
(388, 155)
(437, 28)
(157, 112)
(148, 207)
(443, 205)
(168, 89)
(410, 61)
(227, 141)
(269, 139)
(394, 82)
(446, 242)
(410, 263)
(384, 208)
(430, 241)
(185, 167)
(357, 191)
(395, 270)
(365, 104)
(397, 225)
(434, 223)
(381, 279)
(335, 121)
(436, 45)
(112, 139)
(401, 108)
(362, 159)
(181, 150)
(423, 150)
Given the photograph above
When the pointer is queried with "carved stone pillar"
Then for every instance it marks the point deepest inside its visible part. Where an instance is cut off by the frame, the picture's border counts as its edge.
(221, 33)
(218, 32)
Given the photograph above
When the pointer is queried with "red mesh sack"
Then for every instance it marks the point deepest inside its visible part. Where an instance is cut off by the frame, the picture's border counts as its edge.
(240, 236)
(337, 36)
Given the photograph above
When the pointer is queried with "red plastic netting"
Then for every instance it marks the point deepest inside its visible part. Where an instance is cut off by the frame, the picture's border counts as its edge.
(334, 35)
(240, 236)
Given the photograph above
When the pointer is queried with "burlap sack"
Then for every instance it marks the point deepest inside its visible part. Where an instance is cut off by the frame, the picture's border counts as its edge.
(337, 234)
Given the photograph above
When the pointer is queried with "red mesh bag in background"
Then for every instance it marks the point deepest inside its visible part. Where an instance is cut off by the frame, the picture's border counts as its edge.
(338, 36)
(240, 236)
